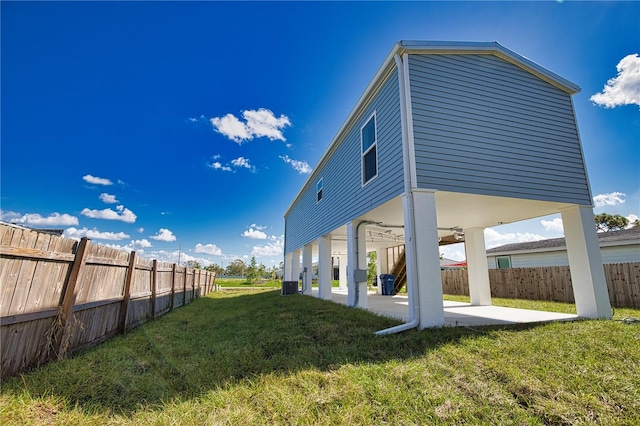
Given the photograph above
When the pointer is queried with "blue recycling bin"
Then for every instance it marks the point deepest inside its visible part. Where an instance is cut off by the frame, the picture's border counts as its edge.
(387, 281)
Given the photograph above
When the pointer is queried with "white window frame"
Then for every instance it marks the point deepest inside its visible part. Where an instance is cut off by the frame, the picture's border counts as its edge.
(503, 257)
(373, 145)
(319, 192)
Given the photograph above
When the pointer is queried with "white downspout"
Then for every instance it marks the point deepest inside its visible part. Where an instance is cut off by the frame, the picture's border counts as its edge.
(409, 249)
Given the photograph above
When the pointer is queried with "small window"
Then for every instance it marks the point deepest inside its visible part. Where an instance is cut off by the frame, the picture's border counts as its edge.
(369, 150)
(319, 189)
(503, 262)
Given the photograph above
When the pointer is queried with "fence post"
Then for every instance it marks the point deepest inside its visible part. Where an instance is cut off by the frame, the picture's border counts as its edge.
(184, 288)
(193, 286)
(173, 284)
(154, 282)
(65, 309)
(127, 292)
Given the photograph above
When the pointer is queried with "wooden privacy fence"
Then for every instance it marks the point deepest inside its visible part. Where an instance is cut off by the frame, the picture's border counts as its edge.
(59, 295)
(550, 283)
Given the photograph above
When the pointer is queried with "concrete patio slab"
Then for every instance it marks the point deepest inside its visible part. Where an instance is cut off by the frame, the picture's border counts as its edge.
(455, 313)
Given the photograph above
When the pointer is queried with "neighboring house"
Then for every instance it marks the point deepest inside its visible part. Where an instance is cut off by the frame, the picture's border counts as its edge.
(57, 232)
(449, 138)
(449, 264)
(615, 247)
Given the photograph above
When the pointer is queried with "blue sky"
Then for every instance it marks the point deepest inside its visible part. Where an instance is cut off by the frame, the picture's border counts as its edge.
(168, 127)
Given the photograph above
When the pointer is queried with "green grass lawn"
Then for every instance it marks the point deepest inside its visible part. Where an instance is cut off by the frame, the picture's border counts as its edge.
(224, 282)
(258, 358)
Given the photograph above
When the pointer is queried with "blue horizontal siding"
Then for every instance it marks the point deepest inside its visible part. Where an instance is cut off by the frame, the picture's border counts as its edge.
(344, 197)
(485, 126)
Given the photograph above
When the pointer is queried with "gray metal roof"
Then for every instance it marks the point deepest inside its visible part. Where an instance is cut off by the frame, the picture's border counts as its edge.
(603, 238)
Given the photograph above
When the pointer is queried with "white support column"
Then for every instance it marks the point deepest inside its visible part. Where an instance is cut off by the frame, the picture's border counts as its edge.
(307, 269)
(427, 259)
(382, 266)
(286, 273)
(585, 262)
(342, 271)
(295, 266)
(357, 259)
(477, 268)
(325, 268)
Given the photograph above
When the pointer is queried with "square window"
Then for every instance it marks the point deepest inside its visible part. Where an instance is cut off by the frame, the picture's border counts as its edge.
(503, 262)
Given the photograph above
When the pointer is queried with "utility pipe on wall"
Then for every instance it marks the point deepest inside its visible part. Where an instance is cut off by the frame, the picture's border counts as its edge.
(357, 294)
(409, 217)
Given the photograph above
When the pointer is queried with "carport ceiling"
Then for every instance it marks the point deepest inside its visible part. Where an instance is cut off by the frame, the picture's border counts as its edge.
(454, 210)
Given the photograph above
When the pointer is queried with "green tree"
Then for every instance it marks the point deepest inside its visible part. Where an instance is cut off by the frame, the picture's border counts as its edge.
(237, 267)
(271, 273)
(219, 270)
(193, 264)
(253, 271)
(606, 222)
(262, 270)
(372, 266)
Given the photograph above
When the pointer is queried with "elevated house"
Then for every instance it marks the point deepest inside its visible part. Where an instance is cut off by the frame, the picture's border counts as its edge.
(621, 246)
(449, 138)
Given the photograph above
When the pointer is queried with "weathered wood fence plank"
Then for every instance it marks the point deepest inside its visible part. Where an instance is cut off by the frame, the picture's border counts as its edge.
(127, 293)
(550, 283)
(58, 295)
(68, 300)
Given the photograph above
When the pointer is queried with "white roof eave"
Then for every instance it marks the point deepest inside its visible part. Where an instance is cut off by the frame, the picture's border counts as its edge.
(491, 48)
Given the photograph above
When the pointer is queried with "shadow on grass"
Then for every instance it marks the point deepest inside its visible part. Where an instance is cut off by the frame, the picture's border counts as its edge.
(222, 339)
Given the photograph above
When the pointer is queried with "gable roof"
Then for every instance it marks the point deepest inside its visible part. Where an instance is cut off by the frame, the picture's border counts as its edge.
(630, 236)
(433, 48)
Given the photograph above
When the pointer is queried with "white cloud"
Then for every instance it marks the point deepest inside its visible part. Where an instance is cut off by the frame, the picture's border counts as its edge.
(254, 233)
(211, 249)
(9, 216)
(141, 230)
(121, 213)
(171, 256)
(218, 166)
(554, 225)
(262, 123)
(139, 244)
(258, 123)
(631, 218)
(239, 162)
(624, 89)
(301, 167)
(135, 245)
(274, 248)
(196, 119)
(54, 219)
(231, 127)
(97, 180)
(494, 238)
(108, 198)
(242, 162)
(94, 234)
(164, 235)
(611, 199)
(453, 251)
